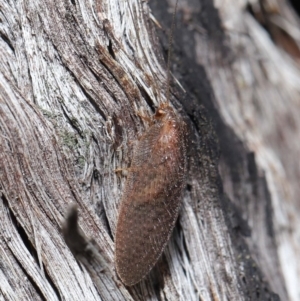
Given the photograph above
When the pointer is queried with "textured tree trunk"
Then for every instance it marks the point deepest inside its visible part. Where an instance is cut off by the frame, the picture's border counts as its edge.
(74, 78)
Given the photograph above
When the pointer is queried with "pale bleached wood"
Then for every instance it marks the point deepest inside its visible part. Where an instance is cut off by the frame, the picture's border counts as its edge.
(265, 116)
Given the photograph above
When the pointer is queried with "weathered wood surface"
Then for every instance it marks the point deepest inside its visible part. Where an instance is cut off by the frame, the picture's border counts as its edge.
(74, 74)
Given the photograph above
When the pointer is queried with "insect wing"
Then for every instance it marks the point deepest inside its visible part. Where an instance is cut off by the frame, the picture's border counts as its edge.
(151, 201)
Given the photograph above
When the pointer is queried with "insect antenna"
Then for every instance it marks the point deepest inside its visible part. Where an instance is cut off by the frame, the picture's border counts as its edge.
(170, 53)
(169, 58)
(136, 27)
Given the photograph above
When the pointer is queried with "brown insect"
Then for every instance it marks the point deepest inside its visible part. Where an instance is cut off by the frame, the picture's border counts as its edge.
(152, 195)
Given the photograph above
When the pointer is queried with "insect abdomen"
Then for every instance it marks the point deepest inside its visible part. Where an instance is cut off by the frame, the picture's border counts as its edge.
(151, 200)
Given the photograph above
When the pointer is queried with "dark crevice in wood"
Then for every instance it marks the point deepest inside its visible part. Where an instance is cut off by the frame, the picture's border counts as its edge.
(24, 237)
(34, 285)
(157, 279)
(52, 284)
(106, 224)
(261, 16)
(98, 78)
(118, 138)
(147, 98)
(89, 98)
(99, 209)
(252, 170)
(110, 49)
(268, 209)
(178, 232)
(189, 187)
(5, 38)
(129, 45)
(30, 248)
(279, 35)
(73, 122)
(296, 5)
